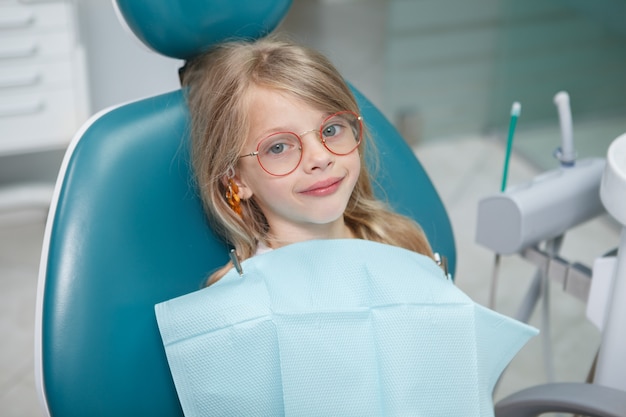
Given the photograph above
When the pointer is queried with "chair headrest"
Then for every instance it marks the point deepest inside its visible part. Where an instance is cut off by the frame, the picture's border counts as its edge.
(184, 28)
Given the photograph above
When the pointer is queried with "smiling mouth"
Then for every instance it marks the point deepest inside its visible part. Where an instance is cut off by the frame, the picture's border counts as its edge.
(323, 187)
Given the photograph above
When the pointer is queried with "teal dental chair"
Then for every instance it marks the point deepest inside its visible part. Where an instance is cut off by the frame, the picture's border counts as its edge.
(126, 231)
(126, 228)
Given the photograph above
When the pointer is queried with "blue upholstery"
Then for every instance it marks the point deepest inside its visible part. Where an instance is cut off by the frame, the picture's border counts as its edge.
(182, 29)
(128, 231)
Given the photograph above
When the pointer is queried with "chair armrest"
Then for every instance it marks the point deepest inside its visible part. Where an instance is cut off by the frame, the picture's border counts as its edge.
(580, 398)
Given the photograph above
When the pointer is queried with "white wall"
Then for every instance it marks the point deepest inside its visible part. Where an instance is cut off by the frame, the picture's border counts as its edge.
(351, 33)
(120, 68)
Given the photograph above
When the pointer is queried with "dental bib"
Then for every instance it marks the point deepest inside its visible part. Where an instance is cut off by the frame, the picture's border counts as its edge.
(336, 328)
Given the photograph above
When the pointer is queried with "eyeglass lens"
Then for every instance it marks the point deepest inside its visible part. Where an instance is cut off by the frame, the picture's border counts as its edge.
(281, 153)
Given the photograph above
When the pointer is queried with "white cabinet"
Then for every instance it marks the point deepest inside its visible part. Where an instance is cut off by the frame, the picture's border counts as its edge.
(43, 87)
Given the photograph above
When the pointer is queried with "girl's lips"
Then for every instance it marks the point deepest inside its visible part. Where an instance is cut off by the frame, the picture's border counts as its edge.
(322, 188)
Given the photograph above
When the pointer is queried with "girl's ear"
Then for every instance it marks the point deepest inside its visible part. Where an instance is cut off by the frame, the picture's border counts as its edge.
(243, 190)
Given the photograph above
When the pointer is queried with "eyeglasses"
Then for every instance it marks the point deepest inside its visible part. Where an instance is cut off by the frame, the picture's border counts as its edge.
(280, 153)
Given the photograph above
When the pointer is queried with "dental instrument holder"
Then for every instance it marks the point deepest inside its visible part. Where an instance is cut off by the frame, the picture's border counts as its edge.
(518, 220)
(542, 209)
(611, 366)
(565, 153)
(549, 205)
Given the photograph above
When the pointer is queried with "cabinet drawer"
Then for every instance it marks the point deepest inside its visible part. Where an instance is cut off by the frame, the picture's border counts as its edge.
(37, 121)
(35, 47)
(35, 76)
(34, 17)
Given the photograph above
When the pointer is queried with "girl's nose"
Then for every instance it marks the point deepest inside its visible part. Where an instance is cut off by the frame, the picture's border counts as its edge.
(315, 155)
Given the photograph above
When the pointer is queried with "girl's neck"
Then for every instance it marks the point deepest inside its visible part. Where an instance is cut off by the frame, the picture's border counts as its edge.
(336, 231)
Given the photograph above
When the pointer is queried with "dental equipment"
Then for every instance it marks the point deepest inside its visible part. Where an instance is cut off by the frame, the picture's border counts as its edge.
(516, 108)
(545, 207)
(521, 218)
(548, 205)
(611, 366)
(565, 154)
(540, 209)
(606, 395)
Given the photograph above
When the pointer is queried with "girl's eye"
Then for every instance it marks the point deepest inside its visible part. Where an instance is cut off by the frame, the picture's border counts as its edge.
(279, 145)
(332, 129)
(276, 148)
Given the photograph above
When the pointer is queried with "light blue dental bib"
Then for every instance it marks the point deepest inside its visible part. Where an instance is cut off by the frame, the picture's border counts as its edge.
(336, 328)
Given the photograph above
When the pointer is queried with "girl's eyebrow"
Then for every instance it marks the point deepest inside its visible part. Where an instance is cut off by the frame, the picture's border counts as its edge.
(278, 129)
(267, 132)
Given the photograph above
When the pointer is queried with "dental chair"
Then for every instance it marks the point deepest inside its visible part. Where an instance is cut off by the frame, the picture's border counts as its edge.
(126, 229)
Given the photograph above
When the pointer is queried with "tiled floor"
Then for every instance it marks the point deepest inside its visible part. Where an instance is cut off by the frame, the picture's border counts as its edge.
(20, 247)
(463, 171)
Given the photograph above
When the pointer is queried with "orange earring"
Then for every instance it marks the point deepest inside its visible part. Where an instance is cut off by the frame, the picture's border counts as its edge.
(232, 197)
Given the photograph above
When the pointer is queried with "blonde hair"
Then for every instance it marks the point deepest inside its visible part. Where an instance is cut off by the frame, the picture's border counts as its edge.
(216, 85)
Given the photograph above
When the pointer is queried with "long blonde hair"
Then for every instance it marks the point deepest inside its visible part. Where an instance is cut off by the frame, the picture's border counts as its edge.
(216, 85)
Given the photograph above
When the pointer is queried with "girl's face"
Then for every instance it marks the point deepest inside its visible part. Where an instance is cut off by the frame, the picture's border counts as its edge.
(309, 202)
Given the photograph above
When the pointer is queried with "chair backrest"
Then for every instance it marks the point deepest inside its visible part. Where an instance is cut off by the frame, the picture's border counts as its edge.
(126, 230)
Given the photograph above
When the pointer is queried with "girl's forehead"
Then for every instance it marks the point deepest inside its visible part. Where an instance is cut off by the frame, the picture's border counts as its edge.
(268, 95)
(268, 107)
(258, 94)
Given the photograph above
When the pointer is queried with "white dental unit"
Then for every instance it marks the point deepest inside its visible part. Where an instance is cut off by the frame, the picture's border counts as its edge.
(526, 217)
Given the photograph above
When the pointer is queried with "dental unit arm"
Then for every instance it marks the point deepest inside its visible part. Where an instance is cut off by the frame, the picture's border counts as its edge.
(543, 209)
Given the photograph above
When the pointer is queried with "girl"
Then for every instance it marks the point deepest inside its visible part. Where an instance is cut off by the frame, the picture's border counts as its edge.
(278, 149)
